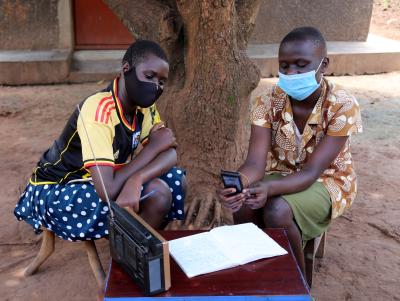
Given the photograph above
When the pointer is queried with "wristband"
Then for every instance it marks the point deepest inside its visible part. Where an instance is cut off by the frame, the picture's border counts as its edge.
(244, 177)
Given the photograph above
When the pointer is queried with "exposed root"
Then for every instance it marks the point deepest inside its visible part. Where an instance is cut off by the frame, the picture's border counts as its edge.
(191, 211)
(203, 213)
(175, 225)
(216, 221)
(387, 232)
(227, 217)
(347, 218)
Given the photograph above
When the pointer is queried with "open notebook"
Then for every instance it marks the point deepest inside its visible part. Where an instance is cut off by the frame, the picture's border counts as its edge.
(221, 248)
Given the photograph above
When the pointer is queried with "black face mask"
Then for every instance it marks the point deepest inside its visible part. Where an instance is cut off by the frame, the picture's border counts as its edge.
(140, 93)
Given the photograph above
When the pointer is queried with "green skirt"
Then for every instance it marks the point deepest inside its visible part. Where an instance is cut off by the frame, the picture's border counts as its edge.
(311, 208)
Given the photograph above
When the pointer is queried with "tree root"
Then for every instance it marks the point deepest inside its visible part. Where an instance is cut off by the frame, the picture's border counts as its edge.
(216, 221)
(387, 232)
(347, 218)
(205, 212)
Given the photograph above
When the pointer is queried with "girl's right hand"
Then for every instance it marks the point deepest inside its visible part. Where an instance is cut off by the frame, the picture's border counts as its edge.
(229, 199)
(130, 193)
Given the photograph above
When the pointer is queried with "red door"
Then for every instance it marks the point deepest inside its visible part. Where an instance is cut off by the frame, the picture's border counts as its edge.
(97, 27)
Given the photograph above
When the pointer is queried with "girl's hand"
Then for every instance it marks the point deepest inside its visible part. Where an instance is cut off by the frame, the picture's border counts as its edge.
(156, 127)
(256, 195)
(162, 138)
(233, 202)
(130, 193)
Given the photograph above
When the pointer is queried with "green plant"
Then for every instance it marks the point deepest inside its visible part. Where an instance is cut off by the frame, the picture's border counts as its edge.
(231, 99)
(386, 4)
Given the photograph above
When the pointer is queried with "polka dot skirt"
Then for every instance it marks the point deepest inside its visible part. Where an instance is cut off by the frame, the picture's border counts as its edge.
(75, 212)
(174, 180)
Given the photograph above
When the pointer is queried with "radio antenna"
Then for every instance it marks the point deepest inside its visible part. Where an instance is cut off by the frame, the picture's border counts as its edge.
(97, 166)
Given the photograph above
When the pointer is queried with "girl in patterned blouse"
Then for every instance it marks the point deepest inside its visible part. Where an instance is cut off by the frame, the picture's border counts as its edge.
(298, 173)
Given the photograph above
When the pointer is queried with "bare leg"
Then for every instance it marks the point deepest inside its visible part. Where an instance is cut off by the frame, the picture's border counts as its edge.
(278, 214)
(247, 215)
(154, 209)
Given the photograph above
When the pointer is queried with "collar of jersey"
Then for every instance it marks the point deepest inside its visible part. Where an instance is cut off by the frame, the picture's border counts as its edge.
(121, 114)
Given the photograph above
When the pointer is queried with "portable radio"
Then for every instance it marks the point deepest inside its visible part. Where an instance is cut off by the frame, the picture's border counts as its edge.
(139, 250)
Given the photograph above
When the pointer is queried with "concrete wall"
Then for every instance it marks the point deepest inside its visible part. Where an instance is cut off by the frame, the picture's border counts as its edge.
(36, 41)
(339, 20)
(28, 24)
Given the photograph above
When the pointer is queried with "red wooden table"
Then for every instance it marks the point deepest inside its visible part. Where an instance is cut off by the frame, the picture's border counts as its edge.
(277, 278)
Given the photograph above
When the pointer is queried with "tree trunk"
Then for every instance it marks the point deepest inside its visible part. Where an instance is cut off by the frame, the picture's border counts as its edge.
(206, 102)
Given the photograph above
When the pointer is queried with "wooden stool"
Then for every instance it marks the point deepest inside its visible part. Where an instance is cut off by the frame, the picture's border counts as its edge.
(47, 248)
(315, 248)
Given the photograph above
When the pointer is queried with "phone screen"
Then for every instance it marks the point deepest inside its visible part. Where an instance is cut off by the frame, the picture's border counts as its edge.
(231, 179)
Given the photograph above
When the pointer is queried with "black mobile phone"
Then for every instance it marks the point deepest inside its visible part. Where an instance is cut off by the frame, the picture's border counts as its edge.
(231, 179)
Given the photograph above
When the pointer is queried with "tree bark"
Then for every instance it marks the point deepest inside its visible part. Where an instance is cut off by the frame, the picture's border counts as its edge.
(207, 99)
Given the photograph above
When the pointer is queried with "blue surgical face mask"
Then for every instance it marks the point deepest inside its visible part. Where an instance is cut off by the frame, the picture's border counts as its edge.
(299, 86)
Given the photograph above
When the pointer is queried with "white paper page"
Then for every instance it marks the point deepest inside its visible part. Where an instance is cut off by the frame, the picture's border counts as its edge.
(246, 242)
(198, 254)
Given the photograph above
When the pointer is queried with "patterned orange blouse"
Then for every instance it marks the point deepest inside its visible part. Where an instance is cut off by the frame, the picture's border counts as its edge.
(336, 113)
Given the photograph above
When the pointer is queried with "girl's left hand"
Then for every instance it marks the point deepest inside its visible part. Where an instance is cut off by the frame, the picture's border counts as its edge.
(256, 195)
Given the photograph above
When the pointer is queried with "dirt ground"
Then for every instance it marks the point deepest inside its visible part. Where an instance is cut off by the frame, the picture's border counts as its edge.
(385, 19)
(362, 256)
(362, 259)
